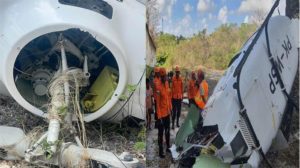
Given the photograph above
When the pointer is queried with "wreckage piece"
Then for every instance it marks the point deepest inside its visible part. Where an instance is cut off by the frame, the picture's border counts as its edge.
(75, 156)
(14, 145)
(249, 101)
(50, 148)
(98, 31)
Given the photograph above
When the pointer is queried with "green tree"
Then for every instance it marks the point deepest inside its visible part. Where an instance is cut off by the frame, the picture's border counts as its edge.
(213, 50)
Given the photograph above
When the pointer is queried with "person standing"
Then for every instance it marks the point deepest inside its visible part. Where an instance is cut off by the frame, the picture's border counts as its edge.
(163, 112)
(149, 103)
(192, 89)
(201, 96)
(204, 87)
(156, 83)
(170, 77)
(177, 95)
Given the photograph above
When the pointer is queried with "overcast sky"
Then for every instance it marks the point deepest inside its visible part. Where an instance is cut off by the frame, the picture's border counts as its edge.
(185, 17)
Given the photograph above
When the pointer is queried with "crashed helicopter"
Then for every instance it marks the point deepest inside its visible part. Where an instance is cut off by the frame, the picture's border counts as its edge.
(245, 112)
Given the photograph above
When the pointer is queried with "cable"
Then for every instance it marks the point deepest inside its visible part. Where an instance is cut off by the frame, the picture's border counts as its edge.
(22, 72)
(116, 114)
(120, 160)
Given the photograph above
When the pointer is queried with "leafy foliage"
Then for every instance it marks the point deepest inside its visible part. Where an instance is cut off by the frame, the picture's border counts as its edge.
(130, 89)
(46, 147)
(139, 146)
(142, 134)
(62, 111)
(213, 50)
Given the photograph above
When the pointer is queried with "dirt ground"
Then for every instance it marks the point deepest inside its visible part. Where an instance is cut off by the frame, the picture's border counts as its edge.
(152, 159)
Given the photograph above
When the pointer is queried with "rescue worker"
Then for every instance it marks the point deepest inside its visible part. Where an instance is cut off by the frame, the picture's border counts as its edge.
(177, 95)
(156, 83)
(170, 76)
(203, 86)
(149, 103)
(163, 112)
(192, 89)
(201, 96)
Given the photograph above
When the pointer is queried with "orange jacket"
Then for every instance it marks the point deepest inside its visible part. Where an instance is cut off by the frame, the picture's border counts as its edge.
(202, 95)
(170, 96)
(204, 90)
(163, 100)
(156, 82)
(177, 88)
(192, 89)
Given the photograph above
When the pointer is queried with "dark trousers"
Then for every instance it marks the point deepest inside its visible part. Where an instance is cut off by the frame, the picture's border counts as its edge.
(148, 117)
(176, 110)
(155, 108)
(163, 127)
(155, 115)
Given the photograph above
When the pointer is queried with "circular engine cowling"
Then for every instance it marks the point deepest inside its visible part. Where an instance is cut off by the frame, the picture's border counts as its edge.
(111, 34)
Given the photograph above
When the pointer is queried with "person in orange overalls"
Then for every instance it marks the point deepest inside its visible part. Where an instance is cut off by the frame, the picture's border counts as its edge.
(177, 95)
(204, 87)
(201, 96)
(149, 103)
(192, 89)
(156, 83)
(163, 112)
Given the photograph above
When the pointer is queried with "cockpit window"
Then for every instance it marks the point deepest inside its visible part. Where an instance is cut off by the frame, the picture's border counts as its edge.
(98, 6)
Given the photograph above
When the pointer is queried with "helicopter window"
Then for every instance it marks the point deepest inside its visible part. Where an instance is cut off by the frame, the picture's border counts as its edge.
(98, 6)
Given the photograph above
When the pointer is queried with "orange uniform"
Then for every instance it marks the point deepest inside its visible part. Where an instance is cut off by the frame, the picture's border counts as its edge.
(204, 90)
(163, 111)
(177, 88)
(163, 100)
(192, 89)
(202, 95)
(156, 82)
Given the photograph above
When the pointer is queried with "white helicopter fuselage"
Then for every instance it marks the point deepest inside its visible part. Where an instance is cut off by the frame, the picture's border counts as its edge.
(260, 92)
(116, 31)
